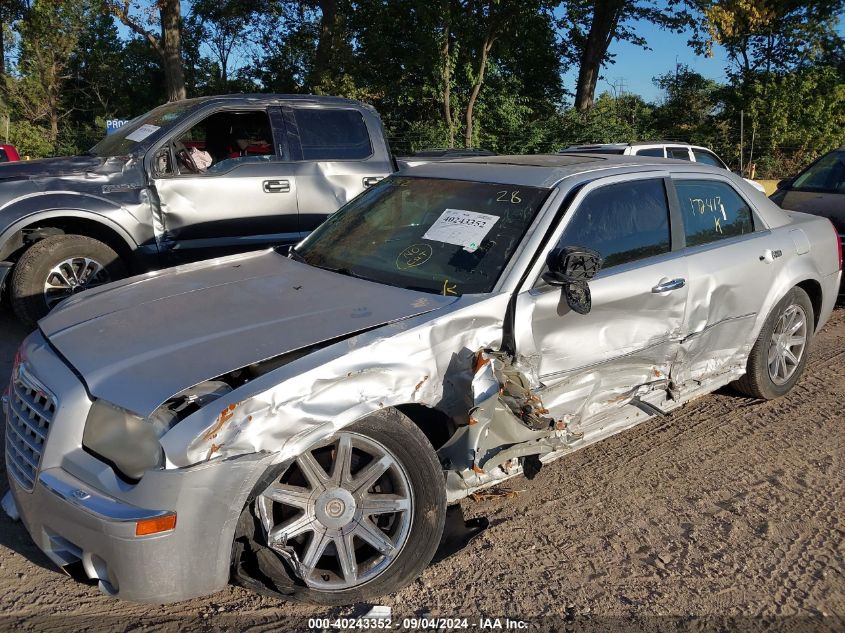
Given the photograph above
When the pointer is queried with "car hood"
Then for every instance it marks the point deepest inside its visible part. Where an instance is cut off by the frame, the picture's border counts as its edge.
(138, 342)
(57, 167)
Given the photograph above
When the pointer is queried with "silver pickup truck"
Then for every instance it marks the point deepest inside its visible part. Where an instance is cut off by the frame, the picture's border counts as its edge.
(186, 181)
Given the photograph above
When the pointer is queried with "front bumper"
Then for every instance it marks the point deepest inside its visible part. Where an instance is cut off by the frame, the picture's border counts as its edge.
(78, 512)
(73, 523)
(5, 269)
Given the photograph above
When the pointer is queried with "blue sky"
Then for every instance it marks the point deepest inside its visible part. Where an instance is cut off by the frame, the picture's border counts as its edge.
(636, 67)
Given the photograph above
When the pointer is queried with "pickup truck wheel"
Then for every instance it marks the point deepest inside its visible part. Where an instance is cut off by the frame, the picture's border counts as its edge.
(779, 355)
(354, 517)
(57, 267)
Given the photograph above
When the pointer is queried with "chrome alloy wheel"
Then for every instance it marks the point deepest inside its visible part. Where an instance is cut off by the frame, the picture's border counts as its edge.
(341, 513)
(786, 347)
(71, 276)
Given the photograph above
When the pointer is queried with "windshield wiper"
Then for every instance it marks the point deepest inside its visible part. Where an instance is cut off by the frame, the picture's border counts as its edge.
(292, 254)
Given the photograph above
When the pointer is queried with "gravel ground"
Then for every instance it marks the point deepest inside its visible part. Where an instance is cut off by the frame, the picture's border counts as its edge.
(728, 513)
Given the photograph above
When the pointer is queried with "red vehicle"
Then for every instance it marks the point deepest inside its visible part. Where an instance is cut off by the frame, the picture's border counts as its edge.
(8, 153)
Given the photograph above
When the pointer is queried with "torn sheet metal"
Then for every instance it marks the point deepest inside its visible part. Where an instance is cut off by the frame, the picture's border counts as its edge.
(299, 403)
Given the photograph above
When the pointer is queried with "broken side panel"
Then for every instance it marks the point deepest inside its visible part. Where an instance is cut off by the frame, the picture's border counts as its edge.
(627, 345)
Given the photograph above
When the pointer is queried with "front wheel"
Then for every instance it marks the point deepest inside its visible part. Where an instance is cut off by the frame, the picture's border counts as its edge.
(57, 267)
(779, 355)
(355, 517)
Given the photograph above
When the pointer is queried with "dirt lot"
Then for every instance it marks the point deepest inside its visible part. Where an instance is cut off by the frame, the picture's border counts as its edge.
(729, 510)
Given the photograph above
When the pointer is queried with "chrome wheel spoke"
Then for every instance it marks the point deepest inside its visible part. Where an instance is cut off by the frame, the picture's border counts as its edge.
(383, 504)
(293, 527)
(367, 531)
(342, 461)
(790, 357)
(313, 472)
(365, 479)
(295, 496)
(346, 557)
(314, 551)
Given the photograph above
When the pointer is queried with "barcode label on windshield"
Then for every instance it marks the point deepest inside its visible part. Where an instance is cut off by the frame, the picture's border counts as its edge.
(461, 228)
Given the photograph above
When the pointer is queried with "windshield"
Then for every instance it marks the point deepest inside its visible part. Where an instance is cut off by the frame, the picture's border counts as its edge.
(827, 174)
(448, 237)
(124, 140)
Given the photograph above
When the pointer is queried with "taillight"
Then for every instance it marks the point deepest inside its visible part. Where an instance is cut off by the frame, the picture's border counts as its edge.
(838, 242)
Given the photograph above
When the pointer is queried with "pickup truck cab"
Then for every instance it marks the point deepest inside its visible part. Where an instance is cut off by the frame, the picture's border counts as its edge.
(186, 181)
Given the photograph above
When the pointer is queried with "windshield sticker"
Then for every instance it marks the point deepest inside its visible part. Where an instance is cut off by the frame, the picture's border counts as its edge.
(142, 132)
(461, 228)
(413, 256)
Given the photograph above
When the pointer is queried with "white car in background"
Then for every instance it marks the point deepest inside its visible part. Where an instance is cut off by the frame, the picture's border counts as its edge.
(659, 149)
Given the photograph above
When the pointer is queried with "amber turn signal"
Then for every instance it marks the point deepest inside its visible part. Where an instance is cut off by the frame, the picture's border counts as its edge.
(154, 526)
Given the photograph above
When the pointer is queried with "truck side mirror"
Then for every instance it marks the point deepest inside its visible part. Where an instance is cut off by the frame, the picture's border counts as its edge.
(786, 183)
(572, 267)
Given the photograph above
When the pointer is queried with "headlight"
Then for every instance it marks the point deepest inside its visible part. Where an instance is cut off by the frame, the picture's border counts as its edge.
(130, 443)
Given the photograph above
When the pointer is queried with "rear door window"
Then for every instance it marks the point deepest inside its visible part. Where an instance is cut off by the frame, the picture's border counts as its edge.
(712, 211)
(679, 153)
(657, 152)
(332, 134)
(703, 156)
(826, 175)
(625, 222)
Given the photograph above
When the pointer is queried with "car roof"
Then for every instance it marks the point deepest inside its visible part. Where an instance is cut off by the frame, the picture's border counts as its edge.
(624, 145)
(544, 170)
(272, 98)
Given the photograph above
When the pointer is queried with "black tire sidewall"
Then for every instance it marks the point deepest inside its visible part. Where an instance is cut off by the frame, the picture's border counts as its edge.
(26, 287)
(414, 452)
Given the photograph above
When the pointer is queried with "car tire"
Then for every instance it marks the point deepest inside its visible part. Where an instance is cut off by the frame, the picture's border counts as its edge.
(259, 566)
(770, 372)
(86, 261)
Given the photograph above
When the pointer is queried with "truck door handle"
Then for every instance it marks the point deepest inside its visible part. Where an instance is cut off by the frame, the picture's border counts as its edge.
(276, 186)
(667, 285)
(369, 181)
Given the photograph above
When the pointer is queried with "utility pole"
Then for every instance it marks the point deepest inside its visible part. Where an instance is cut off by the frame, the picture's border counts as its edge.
(741, 138)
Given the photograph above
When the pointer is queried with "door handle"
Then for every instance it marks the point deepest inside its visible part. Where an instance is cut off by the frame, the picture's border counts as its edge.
(276, 186)
(369, 181)
(667, 285)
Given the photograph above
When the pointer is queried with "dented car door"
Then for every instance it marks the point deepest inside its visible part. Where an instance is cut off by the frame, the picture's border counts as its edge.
(732, 260)
(334, 158)
(626, 345)
(233, 192)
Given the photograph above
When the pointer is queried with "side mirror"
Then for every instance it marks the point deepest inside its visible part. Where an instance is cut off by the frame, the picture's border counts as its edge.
(786, 183)
(572, 267)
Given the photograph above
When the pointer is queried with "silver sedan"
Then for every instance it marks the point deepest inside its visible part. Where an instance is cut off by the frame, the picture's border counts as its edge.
(299, 422)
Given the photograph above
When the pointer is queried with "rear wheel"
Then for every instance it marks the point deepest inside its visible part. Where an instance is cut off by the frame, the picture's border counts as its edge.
(57, 267)
(779, 355)
(352, 518)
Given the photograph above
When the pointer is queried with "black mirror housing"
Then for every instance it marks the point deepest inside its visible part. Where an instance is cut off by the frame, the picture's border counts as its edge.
(572, 267)
(786, 183)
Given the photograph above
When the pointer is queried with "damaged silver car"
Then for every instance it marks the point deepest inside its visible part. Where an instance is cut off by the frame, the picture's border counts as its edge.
(301, 422)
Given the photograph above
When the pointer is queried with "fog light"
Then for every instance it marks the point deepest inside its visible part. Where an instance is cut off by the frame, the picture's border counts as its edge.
(146, 527)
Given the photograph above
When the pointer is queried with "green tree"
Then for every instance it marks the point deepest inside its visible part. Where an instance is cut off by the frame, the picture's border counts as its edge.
(49, 33)
(140, 18)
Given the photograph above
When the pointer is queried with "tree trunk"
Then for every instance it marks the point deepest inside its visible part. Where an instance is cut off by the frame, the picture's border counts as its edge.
(446, 76)
(602, 31)
(171, 49)
(325, 43)
(476, 88)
